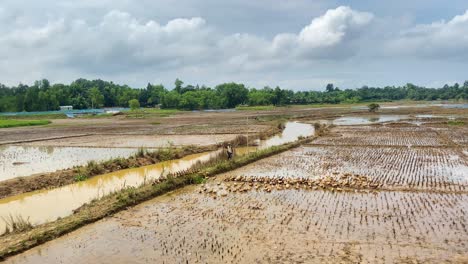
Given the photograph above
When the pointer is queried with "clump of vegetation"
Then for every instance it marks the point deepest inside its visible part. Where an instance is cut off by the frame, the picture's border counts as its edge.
(5, 123)
(16, 224)
(456, 123)
(94, 168)
(150, 113)
(240, 140)
(80, 177)
(373, 107)
(320, 129)
(134, 104)
(281, 126)
(141, 152)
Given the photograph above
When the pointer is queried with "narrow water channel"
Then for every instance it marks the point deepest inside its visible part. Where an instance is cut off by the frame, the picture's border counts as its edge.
(48, 205)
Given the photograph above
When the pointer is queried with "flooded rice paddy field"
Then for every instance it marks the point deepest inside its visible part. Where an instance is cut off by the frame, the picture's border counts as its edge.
(240, 127)
(437, 169)
(23, 160)
(415, 212)
(137, 141)
(393, 136)
(293, 226)
(37, 205)
(47, 205)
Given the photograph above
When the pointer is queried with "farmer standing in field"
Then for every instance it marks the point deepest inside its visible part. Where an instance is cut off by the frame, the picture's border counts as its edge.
(229, 151)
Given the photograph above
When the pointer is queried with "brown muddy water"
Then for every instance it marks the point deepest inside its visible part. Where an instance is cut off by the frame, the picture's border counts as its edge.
(52, 155)
(47, 205)
(16, 161)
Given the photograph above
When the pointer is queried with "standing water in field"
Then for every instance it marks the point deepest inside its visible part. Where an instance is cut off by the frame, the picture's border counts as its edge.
(358, 120)
(47, 205)
(292, 131)
(16, 161)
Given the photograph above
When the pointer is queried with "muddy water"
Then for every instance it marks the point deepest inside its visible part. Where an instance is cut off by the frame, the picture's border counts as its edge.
(357, 120)
(16, 161)
(46, 205)
(291, 132)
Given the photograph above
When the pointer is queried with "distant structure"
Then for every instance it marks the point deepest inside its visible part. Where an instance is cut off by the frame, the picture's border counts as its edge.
(66, 107)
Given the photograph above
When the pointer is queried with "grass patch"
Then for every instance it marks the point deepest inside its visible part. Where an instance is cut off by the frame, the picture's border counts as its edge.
(16, 224)
(34, 116)
(455, 123)
(255, 108)
(93, 116)
(150, 113)
(17, 123)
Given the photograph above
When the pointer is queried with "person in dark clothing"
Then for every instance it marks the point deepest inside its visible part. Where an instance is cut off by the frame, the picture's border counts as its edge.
(230, 151)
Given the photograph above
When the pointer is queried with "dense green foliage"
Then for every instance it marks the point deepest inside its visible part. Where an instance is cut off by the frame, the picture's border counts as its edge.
(83, 94)
(4, 123)
(134, 104)
(373, 107)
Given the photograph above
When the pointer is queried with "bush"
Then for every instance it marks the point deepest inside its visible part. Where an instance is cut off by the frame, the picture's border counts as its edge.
(134, 104)
(373, 107)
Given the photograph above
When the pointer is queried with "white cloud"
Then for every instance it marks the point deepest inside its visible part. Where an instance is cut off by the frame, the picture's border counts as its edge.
(125, 44)
(438, 40)
(120, 43)
(333, 27)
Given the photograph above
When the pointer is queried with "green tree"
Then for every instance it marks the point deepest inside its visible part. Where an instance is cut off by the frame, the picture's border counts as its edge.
(178, 85)
(233, 94)
(170, 100)
(134, 104)
(97, 99)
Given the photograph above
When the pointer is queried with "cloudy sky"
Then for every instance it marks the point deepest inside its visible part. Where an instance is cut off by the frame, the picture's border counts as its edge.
(297, 44)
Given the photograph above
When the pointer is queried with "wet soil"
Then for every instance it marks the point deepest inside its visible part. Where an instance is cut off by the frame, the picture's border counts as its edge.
(137, 141)
(298, 226)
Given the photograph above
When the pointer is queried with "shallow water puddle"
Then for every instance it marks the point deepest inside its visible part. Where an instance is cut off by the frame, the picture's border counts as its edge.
(16, 161)
(291, 132)
(357, 120)
(47, 205)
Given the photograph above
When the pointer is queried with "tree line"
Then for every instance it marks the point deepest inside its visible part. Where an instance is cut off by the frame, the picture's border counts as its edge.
(85, 94)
